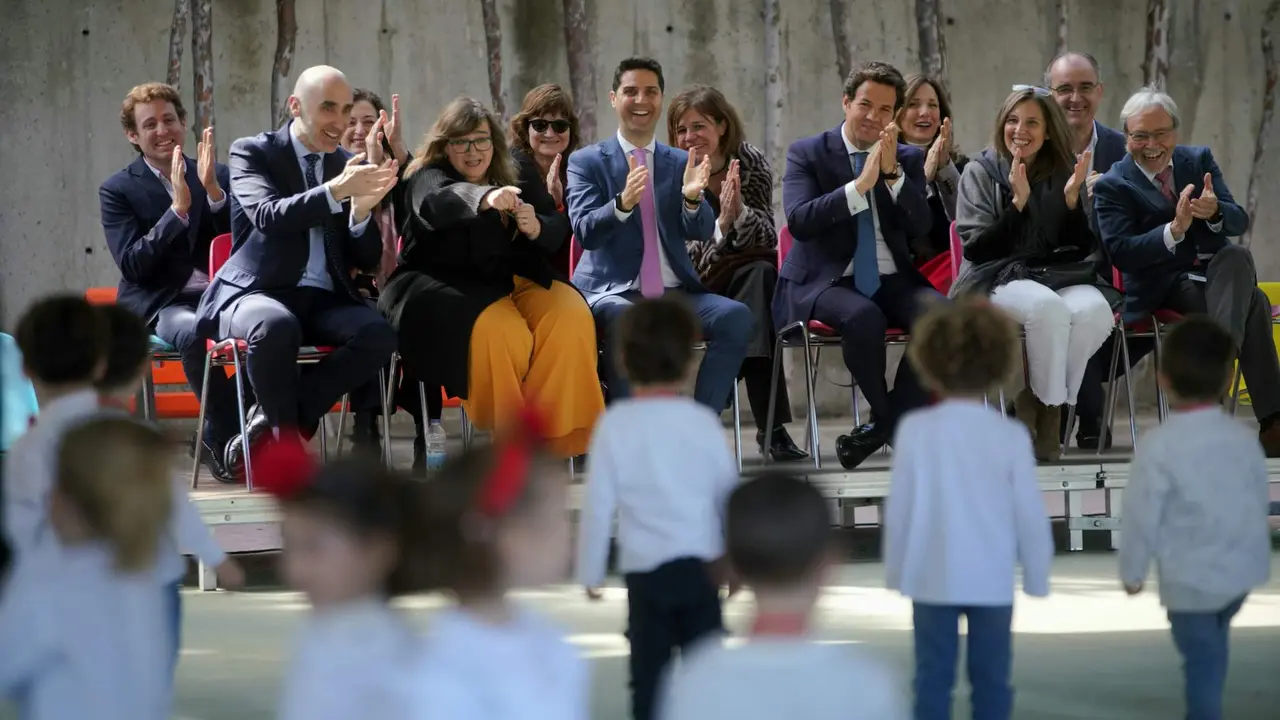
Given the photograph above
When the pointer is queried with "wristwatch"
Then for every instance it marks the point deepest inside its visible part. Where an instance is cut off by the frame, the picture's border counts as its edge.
(695, 202)
(617, 203)
(897, 173)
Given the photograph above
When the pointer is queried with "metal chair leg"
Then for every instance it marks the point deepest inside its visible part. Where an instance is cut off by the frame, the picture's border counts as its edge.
(343, 406)
(324, 434)
(1128, 387)
(737, 427)
(244, 431)
(385, 380)
(204, 396)
(1162, 408)
(1071, 425)
(810, 383)
(773, 399)
(1109, 400)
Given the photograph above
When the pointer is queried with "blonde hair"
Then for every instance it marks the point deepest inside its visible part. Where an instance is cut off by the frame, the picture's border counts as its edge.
(462, 116)
(116, 473)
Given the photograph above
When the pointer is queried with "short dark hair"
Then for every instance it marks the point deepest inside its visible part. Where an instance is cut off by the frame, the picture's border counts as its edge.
(966, 347)
(639, 63)
(777, 530)
(655, 340)
(1197, 359)
(128, 348)
(877, 72)
(1093, 63)
(63, 339)
(370, 499)
(369, 96)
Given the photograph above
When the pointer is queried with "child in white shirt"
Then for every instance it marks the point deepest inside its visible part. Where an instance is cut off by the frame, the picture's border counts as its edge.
(497, 520)
(964, 509)
(63, 340)
(661, 463)
(128, 362)
(81, 622)
(778, 532)
(1197, 503)
(351, 533)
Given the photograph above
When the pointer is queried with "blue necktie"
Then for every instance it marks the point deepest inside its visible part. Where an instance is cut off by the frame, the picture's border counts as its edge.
(866, 268)
(328, 231)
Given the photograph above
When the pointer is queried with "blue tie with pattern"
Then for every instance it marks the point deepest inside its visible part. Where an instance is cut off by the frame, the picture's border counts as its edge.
(866, 268)
(329, 232)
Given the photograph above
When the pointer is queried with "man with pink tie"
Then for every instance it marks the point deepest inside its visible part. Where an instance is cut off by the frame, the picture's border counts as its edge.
(629, 254)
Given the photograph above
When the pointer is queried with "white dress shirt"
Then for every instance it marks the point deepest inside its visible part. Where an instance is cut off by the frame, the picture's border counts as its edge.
(476, 670)
(964, 508)
(199, 279)
(351, 662)
(779, 677)
(663, 466)
(316, 273)
(1169, 241)
(669, 278)
(81, 640)
(859, 203)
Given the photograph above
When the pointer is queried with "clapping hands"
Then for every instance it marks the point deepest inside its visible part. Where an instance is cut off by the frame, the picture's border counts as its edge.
(1078, 178)
(939, 152)
(1018, 180)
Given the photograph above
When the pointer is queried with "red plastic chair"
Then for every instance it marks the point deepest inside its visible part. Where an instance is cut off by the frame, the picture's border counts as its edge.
(232, 352)
(811, 335)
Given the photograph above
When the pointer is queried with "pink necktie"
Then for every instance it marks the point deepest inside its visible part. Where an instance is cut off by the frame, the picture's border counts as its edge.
(1165, 179)
(650, 263)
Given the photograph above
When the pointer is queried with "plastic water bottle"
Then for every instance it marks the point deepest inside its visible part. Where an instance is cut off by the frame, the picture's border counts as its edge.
(436, 447)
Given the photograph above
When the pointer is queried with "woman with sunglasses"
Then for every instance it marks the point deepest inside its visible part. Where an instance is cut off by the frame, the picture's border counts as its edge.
(1028, 244)
(476, 303)
(543, 135)
(742, 262)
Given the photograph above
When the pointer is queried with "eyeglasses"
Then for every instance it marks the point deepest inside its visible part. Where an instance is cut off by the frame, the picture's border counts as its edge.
(463, 145)
(1069, 90)
(1142, 138)
(1042, 92)
(540, 125)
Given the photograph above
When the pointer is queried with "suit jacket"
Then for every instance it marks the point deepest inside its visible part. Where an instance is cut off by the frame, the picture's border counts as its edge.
(272, 213)
(612, 249)
(1132, 214)
(1110, 148)
(153, 249)
(826, 234)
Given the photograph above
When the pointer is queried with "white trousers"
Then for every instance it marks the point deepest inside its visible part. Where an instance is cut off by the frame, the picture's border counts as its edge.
(1064, 329)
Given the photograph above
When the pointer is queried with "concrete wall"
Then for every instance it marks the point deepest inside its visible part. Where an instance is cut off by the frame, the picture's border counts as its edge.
(67, 63)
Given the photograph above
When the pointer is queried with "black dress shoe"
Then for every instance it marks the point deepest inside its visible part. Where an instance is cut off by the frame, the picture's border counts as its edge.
(1087, 438)
(862, 443)
(211, 455)
(781, 447)
(256, 427)
(366, 440)
(419, 467)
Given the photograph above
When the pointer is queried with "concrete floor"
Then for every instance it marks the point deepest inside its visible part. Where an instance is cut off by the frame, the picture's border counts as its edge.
(1088, 651)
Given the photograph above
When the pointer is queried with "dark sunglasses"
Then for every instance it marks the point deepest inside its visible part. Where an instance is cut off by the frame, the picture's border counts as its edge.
(540, 125)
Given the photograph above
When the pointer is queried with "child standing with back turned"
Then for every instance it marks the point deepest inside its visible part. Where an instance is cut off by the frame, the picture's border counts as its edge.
(778, 531)
(964, 510)
(660, 461)
(1197, 503)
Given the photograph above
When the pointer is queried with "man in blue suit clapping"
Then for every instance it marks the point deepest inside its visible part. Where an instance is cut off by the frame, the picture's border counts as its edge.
(632, 204)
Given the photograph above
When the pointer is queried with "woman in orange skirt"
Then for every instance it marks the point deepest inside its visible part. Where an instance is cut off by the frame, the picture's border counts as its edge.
(478, 307)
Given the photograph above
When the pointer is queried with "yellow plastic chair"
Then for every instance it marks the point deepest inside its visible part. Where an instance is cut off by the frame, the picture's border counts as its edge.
(1272, 291)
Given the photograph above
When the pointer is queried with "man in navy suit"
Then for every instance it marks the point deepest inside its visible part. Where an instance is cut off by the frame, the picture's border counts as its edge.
(1167, 219)
(853, 196)
(160, 215)
(1075, 79)
(632, 204)
(300, 209)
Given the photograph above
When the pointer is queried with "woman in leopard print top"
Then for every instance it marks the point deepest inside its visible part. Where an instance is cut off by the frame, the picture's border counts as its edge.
(742, 262)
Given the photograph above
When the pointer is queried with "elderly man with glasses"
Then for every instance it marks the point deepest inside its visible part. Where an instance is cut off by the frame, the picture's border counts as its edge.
(1168, 220)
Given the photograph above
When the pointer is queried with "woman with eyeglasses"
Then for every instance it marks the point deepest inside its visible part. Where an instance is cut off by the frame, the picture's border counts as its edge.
(476, 303)
(543, 135)
(925, 121)
(742, 262)
(1028, 244)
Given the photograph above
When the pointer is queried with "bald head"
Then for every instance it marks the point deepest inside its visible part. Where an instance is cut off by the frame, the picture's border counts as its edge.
(321, 107)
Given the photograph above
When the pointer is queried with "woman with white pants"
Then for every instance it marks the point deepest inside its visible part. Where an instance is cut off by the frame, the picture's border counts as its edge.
(1021, 216)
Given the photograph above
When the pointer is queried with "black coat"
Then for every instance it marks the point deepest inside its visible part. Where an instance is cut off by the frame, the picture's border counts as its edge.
(455, 261)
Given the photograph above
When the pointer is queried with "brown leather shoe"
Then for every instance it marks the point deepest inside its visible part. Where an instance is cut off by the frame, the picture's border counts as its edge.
(1269, 436)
